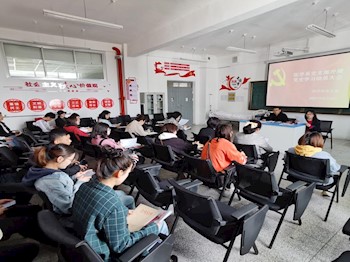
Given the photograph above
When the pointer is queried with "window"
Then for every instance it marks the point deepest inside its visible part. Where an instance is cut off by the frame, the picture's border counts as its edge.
(36, 62)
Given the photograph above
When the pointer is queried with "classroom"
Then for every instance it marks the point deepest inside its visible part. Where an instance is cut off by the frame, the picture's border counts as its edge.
(225, 123)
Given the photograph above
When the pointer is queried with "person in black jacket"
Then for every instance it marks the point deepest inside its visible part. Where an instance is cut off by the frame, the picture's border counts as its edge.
(168, 137)
(61, 120)
(209, 131)
(312, 122)
(277, 115)
(5, 130)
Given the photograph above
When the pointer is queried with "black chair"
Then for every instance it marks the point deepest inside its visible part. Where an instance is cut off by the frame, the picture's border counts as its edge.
(346, 183)
(217, 221)
(203, 170)
(126, 119)
(75, 142)
(153, 189)
(71, 248)
(201, 139)
(169, 115)
(8, 159)
(146, 150)
(261, 187)
(87, 122)
(33, 128)
(345, 256)
(326, 130)
(158, 117)
(165, 156)
(251, 153)
(312, 170)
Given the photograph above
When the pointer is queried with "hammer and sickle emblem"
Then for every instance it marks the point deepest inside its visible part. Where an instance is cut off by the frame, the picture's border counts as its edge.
(279, 79)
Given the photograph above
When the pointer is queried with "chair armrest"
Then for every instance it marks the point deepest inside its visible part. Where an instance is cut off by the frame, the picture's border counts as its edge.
(296, 185)
(229, 169)
(138, 248)
(194, 183)
(245, 210)
(343, 168)
(183, 181)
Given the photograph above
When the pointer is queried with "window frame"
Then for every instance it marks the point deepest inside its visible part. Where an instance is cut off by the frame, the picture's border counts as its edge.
(42, 47)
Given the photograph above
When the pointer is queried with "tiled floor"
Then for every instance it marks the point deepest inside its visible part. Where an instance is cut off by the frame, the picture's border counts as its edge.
(315, 240)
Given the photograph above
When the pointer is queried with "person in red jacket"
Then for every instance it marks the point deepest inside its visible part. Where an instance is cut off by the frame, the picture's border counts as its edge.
(72, 126)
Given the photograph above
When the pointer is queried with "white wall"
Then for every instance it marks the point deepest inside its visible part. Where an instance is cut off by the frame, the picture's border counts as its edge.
(17, 120)
(142, 68)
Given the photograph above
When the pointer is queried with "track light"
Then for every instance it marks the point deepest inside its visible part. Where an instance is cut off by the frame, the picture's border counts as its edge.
(80, 19)
(242, 50)
(320, 30)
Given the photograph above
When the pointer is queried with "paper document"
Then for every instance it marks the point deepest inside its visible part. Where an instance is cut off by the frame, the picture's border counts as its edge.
(143, 215)
(183, 121)
(129, 143)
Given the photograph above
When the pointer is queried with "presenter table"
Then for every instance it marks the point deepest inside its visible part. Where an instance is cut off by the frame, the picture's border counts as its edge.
(281, 136)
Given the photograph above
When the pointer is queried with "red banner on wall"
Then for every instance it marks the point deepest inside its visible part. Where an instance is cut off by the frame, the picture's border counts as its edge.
(75, 104)
(107, 103)
(14, 105)
(36, 105)
(91, 103)
(56, 104)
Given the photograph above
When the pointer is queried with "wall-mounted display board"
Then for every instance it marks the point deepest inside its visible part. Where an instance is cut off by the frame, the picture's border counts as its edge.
(257, 100)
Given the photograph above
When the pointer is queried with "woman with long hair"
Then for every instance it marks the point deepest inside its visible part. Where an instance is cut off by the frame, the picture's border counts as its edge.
(48, 177)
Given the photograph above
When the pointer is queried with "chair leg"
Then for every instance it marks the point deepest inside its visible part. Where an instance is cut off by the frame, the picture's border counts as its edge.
(256, 251)
(174, 224)
(131, 189)
(233, 195)
(278, 227)
(346, 184)
(221, 193)
(137, 196)
(279, 181)
(331, 140)
(299, 220)
(331, 203)
(229, 248)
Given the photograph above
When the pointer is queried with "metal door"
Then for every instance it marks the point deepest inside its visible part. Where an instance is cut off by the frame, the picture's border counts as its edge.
(180, 98)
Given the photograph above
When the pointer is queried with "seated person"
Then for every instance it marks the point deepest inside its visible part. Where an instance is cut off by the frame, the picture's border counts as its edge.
(311, 145)
(45, 123)
(168, 137)
(104, 118)
(99, 215)
(220, 149)
(60, 136)
(72, 126)
(61, 120)
(50, 179)
(175, 119)
(251, 136)
(312, 122)
(277, 115)
(8, 136)
(135, 128)
(209, 131)
(100, 136)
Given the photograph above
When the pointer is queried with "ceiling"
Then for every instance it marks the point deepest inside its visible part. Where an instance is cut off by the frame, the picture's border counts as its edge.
(139, 18)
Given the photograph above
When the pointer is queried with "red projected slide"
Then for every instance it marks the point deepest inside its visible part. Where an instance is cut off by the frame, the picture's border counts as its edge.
(310, 82)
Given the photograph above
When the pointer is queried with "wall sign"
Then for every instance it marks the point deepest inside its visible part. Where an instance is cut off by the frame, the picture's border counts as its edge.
(132, 90)
(36, 105)
(233, 83)
(75, 104)
(56, 104)
(107, 103)
(91, 103)
(169, 69)
(14, 105)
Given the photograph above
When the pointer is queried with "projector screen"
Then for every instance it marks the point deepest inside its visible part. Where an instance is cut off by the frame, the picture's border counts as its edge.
(310, 82)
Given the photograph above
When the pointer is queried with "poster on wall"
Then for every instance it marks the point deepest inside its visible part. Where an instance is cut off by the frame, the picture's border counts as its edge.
(33, 97)
(233, 83)
(132, 90)
(36, 105)
(173, 69)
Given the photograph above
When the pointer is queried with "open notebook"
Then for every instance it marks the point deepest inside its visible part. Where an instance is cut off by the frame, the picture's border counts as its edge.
(129, 143)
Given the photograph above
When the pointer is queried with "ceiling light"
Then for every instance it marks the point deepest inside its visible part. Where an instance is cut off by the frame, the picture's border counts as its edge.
(242, 50)
(320, 30)
(80, 19)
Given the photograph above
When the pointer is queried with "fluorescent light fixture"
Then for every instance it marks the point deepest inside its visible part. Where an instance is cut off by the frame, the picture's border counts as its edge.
(193, 60)
(320, 30)
(241, 50)
(80, 19)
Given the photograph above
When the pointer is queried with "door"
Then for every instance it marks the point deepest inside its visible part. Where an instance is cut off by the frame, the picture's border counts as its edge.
(180, 98)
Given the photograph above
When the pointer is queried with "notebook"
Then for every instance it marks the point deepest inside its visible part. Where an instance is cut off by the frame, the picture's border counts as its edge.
(129, 143)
